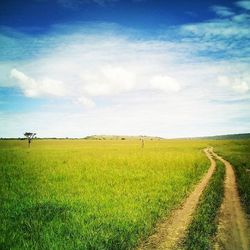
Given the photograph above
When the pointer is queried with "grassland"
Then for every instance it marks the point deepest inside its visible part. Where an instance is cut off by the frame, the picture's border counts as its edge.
(202, 230)
(91, 194)
(99, 194)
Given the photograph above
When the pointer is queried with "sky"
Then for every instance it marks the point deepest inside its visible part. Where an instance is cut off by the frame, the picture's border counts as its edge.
(72, 68)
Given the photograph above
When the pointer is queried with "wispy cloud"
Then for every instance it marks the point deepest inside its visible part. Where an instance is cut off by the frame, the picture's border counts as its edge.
(222, 11)
(236, 28)
(75, 4)
(244, 4)
(226, 36)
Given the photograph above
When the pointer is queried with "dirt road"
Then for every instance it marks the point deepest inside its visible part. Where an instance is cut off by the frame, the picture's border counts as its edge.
(233, 228)
(171, 231)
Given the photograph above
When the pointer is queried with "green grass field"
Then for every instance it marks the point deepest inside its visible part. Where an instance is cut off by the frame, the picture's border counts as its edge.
(87, 194)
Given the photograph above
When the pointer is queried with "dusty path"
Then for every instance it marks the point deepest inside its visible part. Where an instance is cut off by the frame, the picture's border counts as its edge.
(233, 229)
(170, 231)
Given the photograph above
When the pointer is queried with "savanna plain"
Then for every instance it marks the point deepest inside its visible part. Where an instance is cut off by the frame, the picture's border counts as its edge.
(110, 194)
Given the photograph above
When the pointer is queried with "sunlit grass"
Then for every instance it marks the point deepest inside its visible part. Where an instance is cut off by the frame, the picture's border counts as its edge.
(91, 194)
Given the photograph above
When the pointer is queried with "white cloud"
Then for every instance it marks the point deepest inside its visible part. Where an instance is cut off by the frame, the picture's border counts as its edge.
(107, 80)
(244, 4)
(165, 83)
(237, 84)
(33, 88)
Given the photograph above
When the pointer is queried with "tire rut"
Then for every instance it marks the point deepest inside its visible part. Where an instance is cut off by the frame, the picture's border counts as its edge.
(171, 231)
(233, 227)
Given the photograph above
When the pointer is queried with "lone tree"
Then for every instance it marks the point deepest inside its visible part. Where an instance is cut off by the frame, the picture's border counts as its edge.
(29, 136)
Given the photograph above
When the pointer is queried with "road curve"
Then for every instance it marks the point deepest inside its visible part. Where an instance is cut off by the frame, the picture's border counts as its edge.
(171, 231)
(233, 228)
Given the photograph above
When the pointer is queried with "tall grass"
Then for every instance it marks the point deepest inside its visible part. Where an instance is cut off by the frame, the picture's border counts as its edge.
(91, 194)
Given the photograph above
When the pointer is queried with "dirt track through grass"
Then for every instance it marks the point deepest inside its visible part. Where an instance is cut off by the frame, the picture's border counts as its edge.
(233, 228)
(172, 230)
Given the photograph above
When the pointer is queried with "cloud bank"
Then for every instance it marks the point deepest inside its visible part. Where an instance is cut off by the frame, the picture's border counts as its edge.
(91, 67)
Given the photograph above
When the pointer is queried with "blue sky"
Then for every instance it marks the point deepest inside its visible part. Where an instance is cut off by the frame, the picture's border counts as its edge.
(167, 68)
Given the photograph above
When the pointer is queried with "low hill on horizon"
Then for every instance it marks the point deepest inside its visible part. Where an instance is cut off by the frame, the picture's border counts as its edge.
(213, 137)
(122, 137)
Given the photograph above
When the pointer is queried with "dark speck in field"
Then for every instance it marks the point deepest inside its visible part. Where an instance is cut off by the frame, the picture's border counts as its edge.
(46, 211)
(32, 219)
